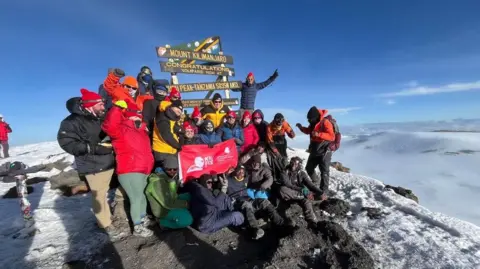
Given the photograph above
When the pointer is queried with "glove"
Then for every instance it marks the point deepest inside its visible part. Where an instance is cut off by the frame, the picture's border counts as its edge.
(102, 150)
(121, 104)
(118, 72)
(261, 195)
(305, 191)
(275, 74)
(299, 125)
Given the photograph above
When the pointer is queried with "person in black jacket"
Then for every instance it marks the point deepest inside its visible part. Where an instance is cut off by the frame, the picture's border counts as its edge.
(261, 125)
(150, 107)
(81, 135)
(296, 186)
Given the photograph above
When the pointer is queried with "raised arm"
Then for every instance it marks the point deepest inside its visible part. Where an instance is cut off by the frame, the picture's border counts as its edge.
(267, 82)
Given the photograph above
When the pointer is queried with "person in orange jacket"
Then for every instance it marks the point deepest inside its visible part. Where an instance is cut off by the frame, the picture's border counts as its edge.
(127, 90)
(276, 131)
(321, 134)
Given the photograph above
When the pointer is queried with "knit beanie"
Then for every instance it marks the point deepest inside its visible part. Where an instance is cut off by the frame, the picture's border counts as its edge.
(246, 114)
(216, 96)
(177, 103)
(174, 93)
(250, 75)
(89, 98)
(130, 81)
(187, 126)
(313, 114)
(196, 113)
(232, 114)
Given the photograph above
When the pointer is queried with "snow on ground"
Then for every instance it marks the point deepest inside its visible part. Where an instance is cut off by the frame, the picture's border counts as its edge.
(409, 236)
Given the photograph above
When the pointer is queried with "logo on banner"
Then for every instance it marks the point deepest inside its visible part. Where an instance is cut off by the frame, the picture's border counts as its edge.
(200, 163)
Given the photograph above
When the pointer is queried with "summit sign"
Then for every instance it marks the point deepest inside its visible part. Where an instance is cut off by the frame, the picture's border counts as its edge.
(163, 52)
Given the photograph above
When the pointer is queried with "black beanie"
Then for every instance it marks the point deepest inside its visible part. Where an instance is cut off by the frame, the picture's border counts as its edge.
(177, 103)
(216, 96)
(279, 116)
(313, 114)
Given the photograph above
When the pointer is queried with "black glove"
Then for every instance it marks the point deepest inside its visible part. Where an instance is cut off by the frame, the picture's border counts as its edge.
(298, 125)
(101, 150)
(119, 72)
(275, 74)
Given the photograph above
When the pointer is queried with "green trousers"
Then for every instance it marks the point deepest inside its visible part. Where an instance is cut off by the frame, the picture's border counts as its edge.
(178, 217)
(134, 185)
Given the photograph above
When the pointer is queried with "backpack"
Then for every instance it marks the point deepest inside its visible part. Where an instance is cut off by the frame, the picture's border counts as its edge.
(335, 144)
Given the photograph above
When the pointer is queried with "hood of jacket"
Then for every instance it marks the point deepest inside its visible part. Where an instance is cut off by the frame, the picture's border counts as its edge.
(74, 107)
(316, 115)
(203, 127)
(259, 112)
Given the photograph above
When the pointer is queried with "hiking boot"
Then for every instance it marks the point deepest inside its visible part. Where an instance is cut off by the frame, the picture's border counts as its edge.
(258, 233)
(114, 233)
(142, 230)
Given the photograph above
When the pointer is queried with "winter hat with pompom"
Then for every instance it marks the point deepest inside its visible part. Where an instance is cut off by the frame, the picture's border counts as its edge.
(89, 98)
(196, 113)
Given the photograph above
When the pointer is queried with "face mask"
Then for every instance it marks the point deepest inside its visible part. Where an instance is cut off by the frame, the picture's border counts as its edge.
(161, 92)
(147, 78)
(132, 92)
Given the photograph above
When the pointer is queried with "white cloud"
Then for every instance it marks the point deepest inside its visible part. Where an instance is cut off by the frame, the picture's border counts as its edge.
(343, 111)
(425, 90)
(390, 102)
(412, 84)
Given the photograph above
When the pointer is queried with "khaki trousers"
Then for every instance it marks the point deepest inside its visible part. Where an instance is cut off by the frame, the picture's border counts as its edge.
(99, 185)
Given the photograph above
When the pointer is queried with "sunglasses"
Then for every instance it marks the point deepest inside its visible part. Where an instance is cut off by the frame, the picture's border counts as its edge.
(209, 182)
(171, 169)
(257, 118)
(217, 102)
(230, 117)
(130, 87)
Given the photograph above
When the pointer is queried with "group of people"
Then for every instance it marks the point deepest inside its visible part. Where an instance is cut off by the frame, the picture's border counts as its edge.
(134, 129)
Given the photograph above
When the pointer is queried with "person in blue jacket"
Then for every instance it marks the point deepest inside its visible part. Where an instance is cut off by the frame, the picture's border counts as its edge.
(207, 135)
(211, 212)
(249, 91)
(231, 129)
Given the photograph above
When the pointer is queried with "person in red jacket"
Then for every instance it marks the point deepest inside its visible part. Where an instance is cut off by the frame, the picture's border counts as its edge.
(131, 143)
(250, 133)
(4, 131)
(321, 134)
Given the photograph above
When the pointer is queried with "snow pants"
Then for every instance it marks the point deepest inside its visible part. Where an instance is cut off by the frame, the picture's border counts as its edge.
(178, 218)
(251, 207)
(323, 163)
(99, 185)
(134, 185)
(5, 147)
(291, 195)
(220, 218)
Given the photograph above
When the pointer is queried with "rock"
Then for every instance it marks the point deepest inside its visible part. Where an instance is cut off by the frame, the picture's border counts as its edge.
(373, 212)
(339, 167)
(403, 192)
(75, 265)
(334, 206)
(12, 192)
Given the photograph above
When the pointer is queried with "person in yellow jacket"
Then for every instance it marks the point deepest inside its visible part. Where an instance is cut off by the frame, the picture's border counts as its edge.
(174, 95)
(165, 139)
(216, 111)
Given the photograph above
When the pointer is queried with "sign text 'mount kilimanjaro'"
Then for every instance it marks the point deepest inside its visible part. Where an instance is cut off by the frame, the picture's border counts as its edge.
(196, 69)
(205, 102)
(207, 86)
(192, 55)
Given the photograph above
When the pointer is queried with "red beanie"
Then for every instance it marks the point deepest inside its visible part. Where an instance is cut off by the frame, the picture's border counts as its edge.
(232, 114)
(250, 74)
(196, 113)
(132, 110)
(188, 126)
(246, 114)
(175, 93)
(89, 98)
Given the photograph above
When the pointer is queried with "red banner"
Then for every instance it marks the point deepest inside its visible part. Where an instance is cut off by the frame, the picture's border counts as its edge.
(196, 160)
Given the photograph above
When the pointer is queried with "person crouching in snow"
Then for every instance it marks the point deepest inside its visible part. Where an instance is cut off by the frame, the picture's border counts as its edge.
(231, 129)
(4, 131)
(321, 134)
(296, 186)
(127, 90)
(215, 111)
(249, 91)
(211, 212)
(207, 134)
(170, 208)
(250, 133)
(130, 141)
(250, 200)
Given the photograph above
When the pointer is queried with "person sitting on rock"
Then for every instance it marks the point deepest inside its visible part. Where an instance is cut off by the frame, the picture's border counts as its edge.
(211, 212)
(131, 143)
(259, 149)
(207, 134)
(170, 208)
(297, 187)
(216, 111)
(250, 201)
(250, 133)
(231, 129)
(189, 137)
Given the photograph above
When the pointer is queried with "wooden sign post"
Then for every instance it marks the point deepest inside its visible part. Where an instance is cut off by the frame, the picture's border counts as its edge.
(202, 57)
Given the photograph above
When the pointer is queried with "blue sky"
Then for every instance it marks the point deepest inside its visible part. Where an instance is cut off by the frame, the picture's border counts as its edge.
(369, 61)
